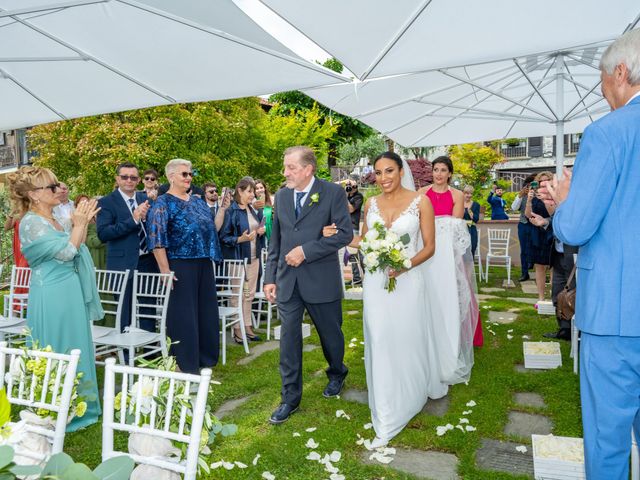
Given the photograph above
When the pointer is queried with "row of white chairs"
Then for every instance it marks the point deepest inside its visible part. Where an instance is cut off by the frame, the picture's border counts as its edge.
(193, 388)
(150, 300)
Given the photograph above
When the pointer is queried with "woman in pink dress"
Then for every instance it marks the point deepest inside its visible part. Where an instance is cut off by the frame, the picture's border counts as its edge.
(451, 288)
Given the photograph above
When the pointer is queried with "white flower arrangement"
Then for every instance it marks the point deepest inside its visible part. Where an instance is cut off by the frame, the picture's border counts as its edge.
(383, 250)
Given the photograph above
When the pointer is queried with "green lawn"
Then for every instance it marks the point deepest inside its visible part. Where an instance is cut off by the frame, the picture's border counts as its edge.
(492, 385)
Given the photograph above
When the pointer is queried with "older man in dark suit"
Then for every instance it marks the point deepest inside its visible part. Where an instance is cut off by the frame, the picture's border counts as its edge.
(121, 225)
(303, 270)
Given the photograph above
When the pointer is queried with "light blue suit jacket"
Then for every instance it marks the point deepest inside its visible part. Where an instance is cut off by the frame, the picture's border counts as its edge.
(602, 216)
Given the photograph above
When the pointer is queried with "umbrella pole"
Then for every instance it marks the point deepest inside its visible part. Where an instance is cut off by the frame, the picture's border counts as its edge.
(559, 114)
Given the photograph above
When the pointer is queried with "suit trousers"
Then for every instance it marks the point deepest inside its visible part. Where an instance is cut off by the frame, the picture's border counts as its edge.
(562, 264)
(327, 318)
(610, 396)
(524, 237)
(193, 324)
(146, 264)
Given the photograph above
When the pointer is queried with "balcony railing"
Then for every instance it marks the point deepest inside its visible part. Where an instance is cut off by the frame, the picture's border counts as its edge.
(514, 152)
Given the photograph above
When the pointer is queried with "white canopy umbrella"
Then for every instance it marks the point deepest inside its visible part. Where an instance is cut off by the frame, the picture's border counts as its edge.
(85, 57)
(545, 94)
(379, 38)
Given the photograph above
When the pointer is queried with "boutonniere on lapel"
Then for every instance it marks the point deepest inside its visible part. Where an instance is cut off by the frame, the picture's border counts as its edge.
(315, 198)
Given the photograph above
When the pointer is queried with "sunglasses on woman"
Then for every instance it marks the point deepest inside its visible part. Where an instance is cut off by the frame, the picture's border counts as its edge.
(149, 179)
(53, 187)
(186, 174)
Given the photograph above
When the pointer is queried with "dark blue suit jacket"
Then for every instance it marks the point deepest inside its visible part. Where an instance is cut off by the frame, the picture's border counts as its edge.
(116, 228)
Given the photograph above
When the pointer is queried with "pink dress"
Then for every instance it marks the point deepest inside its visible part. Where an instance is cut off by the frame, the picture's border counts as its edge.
(443, 205)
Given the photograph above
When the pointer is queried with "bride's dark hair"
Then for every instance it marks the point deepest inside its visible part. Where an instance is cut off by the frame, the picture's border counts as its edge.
(390, 156)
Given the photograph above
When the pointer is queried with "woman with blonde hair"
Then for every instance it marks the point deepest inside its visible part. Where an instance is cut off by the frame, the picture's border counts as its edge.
(63, 298)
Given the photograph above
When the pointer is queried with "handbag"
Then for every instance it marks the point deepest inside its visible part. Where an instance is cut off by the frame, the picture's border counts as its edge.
(566, 303)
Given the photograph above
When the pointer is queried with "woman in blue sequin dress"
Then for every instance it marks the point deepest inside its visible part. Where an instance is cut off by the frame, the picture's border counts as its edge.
(184, 240)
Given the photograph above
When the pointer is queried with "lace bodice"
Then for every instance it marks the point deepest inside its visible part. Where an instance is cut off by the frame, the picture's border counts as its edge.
(33, 226)
(408, 222)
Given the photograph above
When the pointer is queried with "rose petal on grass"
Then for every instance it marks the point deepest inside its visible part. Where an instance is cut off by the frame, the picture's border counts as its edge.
(471, 403)
(469, 428)
(311, 443)
(467, 412)
(521, 449)
(330, 468)
(315, 456)
(215, 465)
(342, 413)
(459, 427)
(509, 337)
(463, 420)
(367, 426)
(240, 465)
(510, 330)
(525, 337)
(296, 434)
(381, 458)
(255, 459)
(228, 465)
(311, 429)
(268, 476)
(336, 476)
(352, 345)
(335, 456)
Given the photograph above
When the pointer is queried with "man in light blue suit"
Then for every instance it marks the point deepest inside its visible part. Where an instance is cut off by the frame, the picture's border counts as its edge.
(598, 210)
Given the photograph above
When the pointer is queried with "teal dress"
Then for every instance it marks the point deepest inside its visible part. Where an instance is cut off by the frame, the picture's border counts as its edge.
(63, 301)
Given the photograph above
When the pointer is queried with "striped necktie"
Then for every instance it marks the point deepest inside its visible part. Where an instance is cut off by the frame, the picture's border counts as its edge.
(299, 196)
(142, 235)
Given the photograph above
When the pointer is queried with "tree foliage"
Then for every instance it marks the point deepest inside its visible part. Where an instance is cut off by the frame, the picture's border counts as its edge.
(369, 147)
(474, 162)
(225, 140)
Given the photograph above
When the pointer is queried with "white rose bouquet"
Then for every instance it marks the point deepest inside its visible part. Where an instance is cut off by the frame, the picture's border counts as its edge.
(383, 250)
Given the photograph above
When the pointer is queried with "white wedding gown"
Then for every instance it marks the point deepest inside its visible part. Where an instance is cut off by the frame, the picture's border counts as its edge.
(400, 358)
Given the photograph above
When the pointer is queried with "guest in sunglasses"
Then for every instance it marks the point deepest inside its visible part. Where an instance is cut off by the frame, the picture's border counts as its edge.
(184, 240)
(217, 206)
(63, 300)
(150, 182)
(121, 224)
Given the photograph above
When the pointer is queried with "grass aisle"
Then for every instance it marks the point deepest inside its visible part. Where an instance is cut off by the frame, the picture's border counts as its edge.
(492, 385)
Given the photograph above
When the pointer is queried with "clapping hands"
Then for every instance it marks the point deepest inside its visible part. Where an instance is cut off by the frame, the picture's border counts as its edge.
(85, 212)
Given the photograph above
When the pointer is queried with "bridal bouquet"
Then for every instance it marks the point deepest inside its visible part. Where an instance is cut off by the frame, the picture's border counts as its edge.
(384, 250)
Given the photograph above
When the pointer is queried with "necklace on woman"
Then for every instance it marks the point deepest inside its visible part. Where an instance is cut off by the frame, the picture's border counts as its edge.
(48, 217)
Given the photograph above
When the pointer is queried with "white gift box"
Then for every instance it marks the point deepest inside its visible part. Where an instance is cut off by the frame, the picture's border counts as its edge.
(544, 355)
(306, 331)
(557, 458)
(546, 308)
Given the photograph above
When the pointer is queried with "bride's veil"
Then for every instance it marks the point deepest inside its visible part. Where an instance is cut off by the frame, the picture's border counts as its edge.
(407, 176)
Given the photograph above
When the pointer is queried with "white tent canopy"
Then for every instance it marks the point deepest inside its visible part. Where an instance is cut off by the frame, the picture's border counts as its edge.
(85, 57)
(375, 39)
(510, 98)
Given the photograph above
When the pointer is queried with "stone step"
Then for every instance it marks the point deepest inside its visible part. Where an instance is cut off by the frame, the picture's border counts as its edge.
(529, 399)
(502, 317)
(420, 463)
(525, 424)
(503, 457)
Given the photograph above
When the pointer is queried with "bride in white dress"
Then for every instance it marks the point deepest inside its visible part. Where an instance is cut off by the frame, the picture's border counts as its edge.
(400, 360)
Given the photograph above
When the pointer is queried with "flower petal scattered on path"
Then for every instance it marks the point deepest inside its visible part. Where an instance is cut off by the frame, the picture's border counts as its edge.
(255, 459)
(268, 476)
(311, 443)
(311, 429)
(471, 403)
(313, 456)
(521, 449)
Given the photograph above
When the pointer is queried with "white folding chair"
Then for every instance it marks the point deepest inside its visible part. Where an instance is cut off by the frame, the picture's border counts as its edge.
(230, 280)
(58, 381)
(479, 258)
(347, 295)
(150, 299)
(14, 320)
(264, 305)
(191, 407)
(111, 285)
(498, 250)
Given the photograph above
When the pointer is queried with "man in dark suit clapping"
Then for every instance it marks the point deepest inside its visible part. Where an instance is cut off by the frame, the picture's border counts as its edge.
(121, 225)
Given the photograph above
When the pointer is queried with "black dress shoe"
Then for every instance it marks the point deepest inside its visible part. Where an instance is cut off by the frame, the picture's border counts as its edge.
(524, 278)
(282, 413)
(333, 388)
(254, 338)
(562, 334)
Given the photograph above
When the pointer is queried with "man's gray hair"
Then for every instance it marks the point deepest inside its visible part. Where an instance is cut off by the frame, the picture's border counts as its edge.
(625, 49)
(172, 165)
(306, 155)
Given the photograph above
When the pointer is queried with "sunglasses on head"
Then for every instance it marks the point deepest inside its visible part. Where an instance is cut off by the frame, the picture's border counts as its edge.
(133, 178)
(53, 187)
(149, 179)
(186, 174)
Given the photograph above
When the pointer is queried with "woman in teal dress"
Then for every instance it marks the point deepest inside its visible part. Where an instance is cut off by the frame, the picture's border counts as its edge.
(263, 203)
(63, 299)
